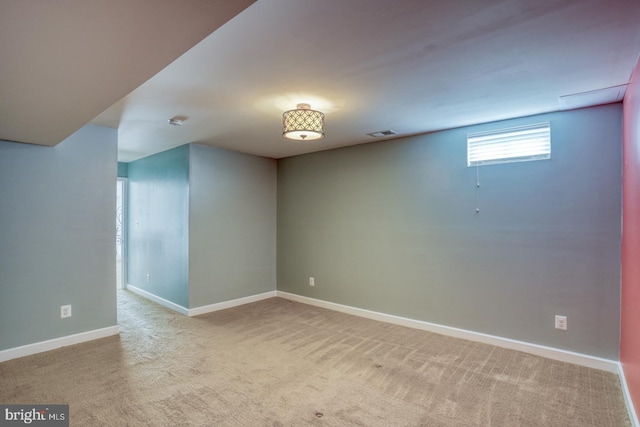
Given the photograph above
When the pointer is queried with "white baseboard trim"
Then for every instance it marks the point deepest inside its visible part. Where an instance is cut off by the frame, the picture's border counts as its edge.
(231, 303)
(40, 347)
(158, 300)
(633, 416)
(538, 350)
(203, 309)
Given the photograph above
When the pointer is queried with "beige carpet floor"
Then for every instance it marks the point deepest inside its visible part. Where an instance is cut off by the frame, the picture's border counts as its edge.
(280, 363)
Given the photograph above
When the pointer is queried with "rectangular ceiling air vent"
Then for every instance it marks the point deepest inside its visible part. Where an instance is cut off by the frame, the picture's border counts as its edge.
(382, 133)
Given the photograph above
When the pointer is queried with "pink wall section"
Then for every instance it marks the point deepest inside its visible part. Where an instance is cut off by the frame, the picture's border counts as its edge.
(630, 316)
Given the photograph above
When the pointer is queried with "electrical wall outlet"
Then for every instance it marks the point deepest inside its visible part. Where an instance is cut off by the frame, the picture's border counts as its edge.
(561, 322)
(312, 281)
(148, 277)
(65, 311)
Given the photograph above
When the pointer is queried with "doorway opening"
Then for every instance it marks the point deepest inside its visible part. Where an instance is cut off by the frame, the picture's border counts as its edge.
(121, 256)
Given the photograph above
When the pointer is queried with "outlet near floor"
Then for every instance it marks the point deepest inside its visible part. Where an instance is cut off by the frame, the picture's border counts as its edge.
(65, 311)
(561, 322)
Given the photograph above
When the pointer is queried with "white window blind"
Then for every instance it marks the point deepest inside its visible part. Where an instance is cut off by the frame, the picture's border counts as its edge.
(517, 144)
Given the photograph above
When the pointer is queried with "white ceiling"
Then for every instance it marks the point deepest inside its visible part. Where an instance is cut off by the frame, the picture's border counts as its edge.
(413, 66)
(62, 62)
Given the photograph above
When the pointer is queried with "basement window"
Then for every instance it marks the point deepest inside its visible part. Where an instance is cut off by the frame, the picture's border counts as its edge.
(516, 144)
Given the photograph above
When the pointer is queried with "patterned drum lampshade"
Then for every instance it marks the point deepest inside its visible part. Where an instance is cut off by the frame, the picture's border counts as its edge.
(303, 123)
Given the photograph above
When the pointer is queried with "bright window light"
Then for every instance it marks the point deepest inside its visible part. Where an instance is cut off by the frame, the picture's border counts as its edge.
(517, 144)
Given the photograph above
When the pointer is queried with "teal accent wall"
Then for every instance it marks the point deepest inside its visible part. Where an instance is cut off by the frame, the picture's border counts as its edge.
(202, 225)
(158, 224)
(232, 225)
(123, 170)
(57, 228)
(392, 227)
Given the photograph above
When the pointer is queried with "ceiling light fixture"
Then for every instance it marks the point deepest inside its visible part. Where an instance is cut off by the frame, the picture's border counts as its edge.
(303, 123)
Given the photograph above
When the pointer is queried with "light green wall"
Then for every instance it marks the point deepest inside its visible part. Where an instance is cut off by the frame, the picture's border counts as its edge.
(232, 225)
(158, 226)
(202, 224)
(57, 228)
(392, 227)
